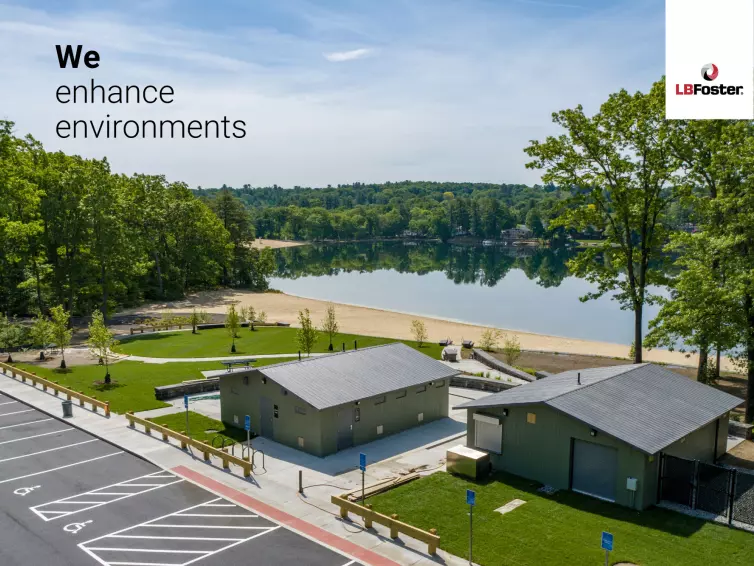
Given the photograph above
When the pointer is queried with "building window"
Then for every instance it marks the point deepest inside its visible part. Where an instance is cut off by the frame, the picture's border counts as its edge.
(357, 414)
(421, 389)
(440, 383)
(275, 410)
(531, 418)
(380, 400)
(401, 394)
(300, 410)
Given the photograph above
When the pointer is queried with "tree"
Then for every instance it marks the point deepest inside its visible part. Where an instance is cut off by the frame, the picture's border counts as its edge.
(232, 324)
(330, 323)
(101, 340)
(12, 335)
(307, 333)
(251, 316)
(511, 349)
(419, 332)
(490, 338)
(41, 332)
(194, 320)
(618, 163)
(62, 335)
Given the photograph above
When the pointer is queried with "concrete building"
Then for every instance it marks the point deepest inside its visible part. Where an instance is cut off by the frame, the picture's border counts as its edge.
(329, 403)
(600, 431)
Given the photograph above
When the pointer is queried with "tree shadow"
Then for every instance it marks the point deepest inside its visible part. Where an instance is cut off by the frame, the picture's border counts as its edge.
(62, 370)
(102, 386)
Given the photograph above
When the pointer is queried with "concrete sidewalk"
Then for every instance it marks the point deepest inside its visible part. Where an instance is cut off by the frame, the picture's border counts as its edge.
(278, 484)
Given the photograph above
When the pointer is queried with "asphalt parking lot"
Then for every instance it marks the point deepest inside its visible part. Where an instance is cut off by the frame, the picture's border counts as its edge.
(68, 498)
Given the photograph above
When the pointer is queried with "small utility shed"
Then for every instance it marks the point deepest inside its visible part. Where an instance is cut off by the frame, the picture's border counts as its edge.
(597, 430)
(329, 403)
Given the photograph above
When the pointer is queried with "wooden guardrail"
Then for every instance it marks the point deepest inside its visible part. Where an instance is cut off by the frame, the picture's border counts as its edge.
(56, 387)
(187, 441)
(431, 538)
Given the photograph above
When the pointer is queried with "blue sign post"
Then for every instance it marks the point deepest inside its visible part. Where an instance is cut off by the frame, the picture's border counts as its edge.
(607, 545)
(363, 468)
(185, 406)
(471, 501)
(247, 426)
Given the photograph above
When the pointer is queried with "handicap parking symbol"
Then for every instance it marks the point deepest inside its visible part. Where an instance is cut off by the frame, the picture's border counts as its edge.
(74, 528)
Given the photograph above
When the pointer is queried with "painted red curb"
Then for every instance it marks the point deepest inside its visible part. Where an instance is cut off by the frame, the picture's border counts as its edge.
(326, 537)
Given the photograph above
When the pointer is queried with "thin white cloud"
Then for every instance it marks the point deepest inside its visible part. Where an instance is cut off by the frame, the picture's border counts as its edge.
(339, 56)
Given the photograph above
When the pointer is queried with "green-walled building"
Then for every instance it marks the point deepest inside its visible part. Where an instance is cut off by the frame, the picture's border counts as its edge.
(328, 403)
(601, 431)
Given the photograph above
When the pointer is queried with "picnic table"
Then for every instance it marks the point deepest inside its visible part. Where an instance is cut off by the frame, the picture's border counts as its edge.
(230, 363)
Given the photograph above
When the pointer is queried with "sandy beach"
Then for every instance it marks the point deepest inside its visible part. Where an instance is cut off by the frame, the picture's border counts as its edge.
(261, 243)
(378, 322)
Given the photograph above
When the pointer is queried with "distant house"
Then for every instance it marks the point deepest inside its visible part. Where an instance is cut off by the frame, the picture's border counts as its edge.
(520, 232)
(328, 403)
(601, 431)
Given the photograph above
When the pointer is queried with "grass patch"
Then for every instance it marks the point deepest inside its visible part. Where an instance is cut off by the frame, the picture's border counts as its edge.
(561, 529)
(134, 382)
(202, 428)
(215, 342)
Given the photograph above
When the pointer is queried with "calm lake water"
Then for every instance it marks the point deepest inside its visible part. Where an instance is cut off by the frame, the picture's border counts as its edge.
(520, 289)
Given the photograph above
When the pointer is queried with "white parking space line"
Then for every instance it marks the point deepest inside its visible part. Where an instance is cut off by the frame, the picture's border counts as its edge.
(8, 403)
(51, 510)
(48, 450)
(37, 435)
(220, 505)
(215, 515)
(61, 467)
(97, 548)
(17, 413)
(349, 563)
(22, 424)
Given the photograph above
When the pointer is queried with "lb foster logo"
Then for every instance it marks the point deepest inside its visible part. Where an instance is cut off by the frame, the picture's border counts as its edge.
(709, 73)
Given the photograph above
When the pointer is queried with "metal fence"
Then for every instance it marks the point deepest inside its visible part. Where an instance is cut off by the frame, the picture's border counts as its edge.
(719, 490)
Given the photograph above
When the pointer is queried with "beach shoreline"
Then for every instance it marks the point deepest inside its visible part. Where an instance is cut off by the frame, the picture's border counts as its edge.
(370, 321)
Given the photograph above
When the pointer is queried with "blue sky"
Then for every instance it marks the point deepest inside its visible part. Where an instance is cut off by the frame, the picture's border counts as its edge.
(332, 91)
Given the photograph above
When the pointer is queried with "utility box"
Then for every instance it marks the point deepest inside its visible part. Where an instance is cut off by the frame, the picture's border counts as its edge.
(631, 484)
(467, 462)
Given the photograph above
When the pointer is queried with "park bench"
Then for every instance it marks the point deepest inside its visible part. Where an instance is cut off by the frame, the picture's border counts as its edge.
(230, 363)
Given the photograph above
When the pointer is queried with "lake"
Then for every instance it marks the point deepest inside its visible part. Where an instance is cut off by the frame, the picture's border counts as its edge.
(517, 288)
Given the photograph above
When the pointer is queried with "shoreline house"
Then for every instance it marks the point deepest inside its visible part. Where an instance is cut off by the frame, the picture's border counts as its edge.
(520, 232)
(329, 403)
(601, 431)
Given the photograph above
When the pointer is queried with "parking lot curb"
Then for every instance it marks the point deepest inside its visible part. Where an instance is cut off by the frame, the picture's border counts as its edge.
(285, 519)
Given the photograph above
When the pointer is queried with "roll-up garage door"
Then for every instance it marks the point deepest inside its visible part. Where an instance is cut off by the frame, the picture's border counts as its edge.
(595, 469)
(488, 433)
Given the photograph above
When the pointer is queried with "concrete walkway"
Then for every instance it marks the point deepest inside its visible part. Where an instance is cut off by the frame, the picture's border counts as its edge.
(152, 360)
(422, 447)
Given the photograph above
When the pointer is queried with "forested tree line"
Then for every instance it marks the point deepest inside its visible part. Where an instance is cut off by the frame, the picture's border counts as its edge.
(409, 209)
(631, 168)
(74, 234)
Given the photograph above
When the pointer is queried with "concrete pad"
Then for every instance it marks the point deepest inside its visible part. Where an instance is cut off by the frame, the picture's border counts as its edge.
(510, 506)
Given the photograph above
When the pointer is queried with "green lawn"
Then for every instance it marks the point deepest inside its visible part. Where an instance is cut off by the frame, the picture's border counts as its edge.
(133, 382)
(264, 340)
(202, 428)
(562, 529)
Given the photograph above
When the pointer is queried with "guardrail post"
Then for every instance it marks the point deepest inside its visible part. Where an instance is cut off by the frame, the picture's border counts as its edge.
(206, 452)
(393, 526)
(81, 402)
(343, 512)
(44, 386)
(226, 464)
(107, 409)
(148, 430)
(165, 436)
(129, 416)
(247, 470)
(94, 407)
(368, 516)
(68, 396)
(432, 544)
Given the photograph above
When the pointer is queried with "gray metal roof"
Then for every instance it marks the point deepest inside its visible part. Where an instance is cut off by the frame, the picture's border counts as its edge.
(328, 381)
(644, 405)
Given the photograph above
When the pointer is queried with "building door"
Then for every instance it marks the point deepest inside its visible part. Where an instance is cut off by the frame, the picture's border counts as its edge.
(265, 412)
(345, 428)
(594, 469)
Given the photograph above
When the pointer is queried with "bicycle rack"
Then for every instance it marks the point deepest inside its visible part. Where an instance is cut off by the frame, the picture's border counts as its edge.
(245, 455)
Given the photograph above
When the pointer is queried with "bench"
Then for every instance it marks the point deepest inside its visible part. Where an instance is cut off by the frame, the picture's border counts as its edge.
(230, 363)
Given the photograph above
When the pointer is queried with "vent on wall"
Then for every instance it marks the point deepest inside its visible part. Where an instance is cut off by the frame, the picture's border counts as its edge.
(300, 441)
(379, 429)
(531, 418)
(421, 417)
